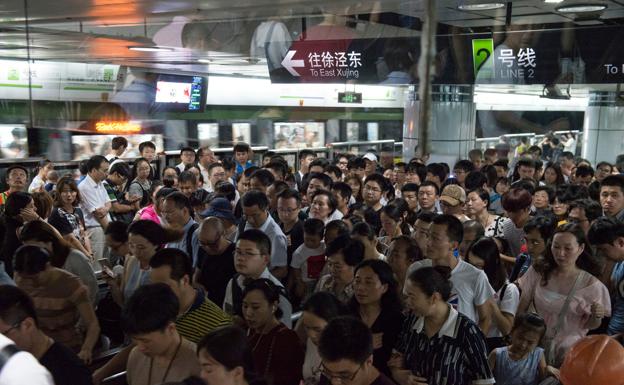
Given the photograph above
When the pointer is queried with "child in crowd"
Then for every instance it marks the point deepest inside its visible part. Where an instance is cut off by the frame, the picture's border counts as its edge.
(242, 153)
(308, 260)
(522, 362)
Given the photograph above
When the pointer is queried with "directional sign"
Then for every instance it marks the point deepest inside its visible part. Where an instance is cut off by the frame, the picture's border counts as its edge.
(290, 64)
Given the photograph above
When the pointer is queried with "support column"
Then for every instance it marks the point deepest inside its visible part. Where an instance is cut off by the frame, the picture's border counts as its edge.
(453, 117)
(603, 132)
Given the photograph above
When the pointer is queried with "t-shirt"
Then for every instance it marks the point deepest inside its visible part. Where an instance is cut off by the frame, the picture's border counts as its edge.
(514, 236)
(508, 304)
(20, 363)
(294, 238)
(66, 222)
(309, 261)
(65, 366)
(616, 324)
(215, 271)
(202, 318)
(184, 365)
(471, 287)
(277, 355)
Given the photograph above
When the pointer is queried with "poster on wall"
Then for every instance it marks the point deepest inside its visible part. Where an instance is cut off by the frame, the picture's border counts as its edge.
(208, 134)
(299, 134)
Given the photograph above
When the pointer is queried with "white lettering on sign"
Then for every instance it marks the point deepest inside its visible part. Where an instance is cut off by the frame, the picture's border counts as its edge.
(507, 57)
(326, 64)
(516, 66)
(526, 57)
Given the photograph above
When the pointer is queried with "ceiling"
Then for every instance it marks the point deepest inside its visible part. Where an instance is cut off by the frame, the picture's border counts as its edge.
(102, 30)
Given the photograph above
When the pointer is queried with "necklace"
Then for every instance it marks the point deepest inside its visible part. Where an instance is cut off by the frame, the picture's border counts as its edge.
(149, 376)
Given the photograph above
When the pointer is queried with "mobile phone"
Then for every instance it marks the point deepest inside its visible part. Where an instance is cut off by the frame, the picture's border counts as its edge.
(108, 271)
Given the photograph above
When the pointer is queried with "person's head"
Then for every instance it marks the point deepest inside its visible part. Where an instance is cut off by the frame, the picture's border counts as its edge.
(343, 255)
(170, 176)
(403, 251)
(409, 192)
(66, 193)
(119, 144)
(318, 165)
(392, 216)
(147, 150)
(415, 173)
(187, 155)
(461, 169)
(436, 173)
(375, 186)
(427, 195)
(252, 253)
(334, 173)
(477, 202)
(255, 206)
(370, 163)
(473, 230)
(374, 283)
(445, 235)
(260, 180)
(278, 168)
(141, 169)
(288, 206)
(543, 197)
(305, 158)
(317, 181)
(42, 234)
(116, 238)
(583, 212)
(16, 202)
(421, 230)
(526, 168)
(205, 156)
(342, 192)
(502, 167)
(603, 170)
(490, 156)
(355, 183)
(566, 159)
(539, 231)
(400, 173)
(145, 238)
(174, 268)
(243, 183)
(177, 210)
(318, 310)
(261, 299)
(44, 166)
(18, 318)
(187, 183)
(148, 317)
(242, 152)
(517, 205)
(342, 161)
(216, 173)
(356, 166)
(553, 176)
(483, 254)
(346, 350)
(452, 199)
(607, 236)
(476, 157)
(526, 333)
(363, 232)
(335, 229)
(612, 195)
(322, 204)
(427, 289)
(16, 177)
(43, 203)
(30, 261)
(313, 230)
(225, 357)
(97, 168)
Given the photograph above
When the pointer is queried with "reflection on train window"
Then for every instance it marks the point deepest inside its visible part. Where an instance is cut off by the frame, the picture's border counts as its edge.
(299, 134)
(13, 141)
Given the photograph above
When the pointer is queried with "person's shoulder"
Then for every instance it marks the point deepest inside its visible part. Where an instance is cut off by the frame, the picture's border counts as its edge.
(382, 380)
(61, 354)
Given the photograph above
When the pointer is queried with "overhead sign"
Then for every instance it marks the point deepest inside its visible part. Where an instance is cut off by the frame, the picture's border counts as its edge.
(307, 63)
(350, 97)
(117, 127)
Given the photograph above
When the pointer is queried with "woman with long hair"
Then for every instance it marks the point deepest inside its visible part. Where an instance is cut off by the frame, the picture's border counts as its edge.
(141, 184)
(376, 302)
(38, 183)
(356, 187)
(19, 208)
(553, 176)
(62, 254)
(564, 290)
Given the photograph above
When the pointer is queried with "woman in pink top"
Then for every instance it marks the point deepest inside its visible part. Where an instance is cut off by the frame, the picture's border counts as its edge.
(564, 290)
(151, 212)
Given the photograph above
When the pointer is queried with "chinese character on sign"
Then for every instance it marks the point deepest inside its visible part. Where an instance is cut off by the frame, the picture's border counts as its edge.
(507, 57)
(355, 59)
(314, 59)
(328, 59)
(526, 57)
(341, 59)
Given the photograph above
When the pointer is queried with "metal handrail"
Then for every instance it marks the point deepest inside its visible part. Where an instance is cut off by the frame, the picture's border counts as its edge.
(371, 142)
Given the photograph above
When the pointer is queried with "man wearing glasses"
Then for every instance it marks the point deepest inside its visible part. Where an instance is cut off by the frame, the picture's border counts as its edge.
(346, 350)
(251, 261)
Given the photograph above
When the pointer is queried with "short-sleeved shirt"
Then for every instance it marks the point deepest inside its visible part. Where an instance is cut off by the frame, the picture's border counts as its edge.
(456, 355)
(279, 242)
(202, 318)
(56, 305)
(327, 284)
(215, 271)
(616, 324)
(66, 222)
(92, 196)
(65, 366)
(471, 287)
(309, 261)
(184, 365)
(508, 304)
(514, 236)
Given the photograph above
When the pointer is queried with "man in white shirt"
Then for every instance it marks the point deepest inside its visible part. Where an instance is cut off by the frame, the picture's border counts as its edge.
(95, 203)
(21, 368)
(305, 158)
(119, 144)
(471, 289)
(187, 156)
(255, 206)
(205, 157)
(216, 174)
(251, 259)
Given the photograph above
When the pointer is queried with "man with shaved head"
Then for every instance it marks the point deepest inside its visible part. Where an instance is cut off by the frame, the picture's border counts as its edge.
(215, 259)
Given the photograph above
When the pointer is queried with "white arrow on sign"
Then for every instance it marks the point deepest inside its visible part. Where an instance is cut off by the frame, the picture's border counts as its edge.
(291, 64)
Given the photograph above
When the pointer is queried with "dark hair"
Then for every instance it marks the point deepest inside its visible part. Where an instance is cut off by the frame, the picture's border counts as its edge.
(324, 305)
(530, 322)
(314, 226)
(241, 147)
(176, 259)
(187, 177)
(214, 165)
(16, 305)
(437, 169)
(118, 230)
(592, 209)
(331, 199)
(119, 142)
(250, 170)
(379, 179)
(170, 168)
(567, 155)
(544, 224)
(16, 167)
(585, 261)
(337, 225)
(144, 145)
(43, 232)
(605, 231)
(15, 203)
(290, 193)
(390, 300)
(82, 167)
(412, 250)
(262, 241)
(548, 190)
(583, 170)
(426, 216)
(228, 163)
(225, 189)
(187, 149)
(30, 259)
(487, 250)
(319, 162)
(525, 184)
(43, 203)
(255, 198)
(264, 176)
(413, 187)
(95, 162)
(324, 178)
(150, 308)
(431, 184)
(180, 201)
(464, 165)
(613, 181)
(475, 179)
(473, 226)
(135, 168)
(270, 291)
(483, 195)
(332, 169)
(433, 280)
(363, 229)
(454, 227)
(418, 169)
(66, 181)
(343, 189)
(491, 175)
(351, 249)
(305, 153)
(228, 346)
(357, 198)
(526, 162)
(517, 199)
(277, 166)
(151, 231)
(560, 178)
(356, 162)
(346, 338)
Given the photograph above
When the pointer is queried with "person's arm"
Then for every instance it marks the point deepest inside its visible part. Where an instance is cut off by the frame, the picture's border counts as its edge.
(485, 315)
(503, 314)
(279, 272)
(76, 244)
(545, 370)
(93, 331)
(117, 364)
(397, 368)
(596, 316)
(492, 360)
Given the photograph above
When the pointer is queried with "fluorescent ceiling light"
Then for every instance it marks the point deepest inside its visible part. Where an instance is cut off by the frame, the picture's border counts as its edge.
(581, 8)
(553, 1)
(480, 6)
(150, 49)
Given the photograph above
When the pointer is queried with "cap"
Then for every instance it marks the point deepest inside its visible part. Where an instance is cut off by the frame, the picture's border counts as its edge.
(453, 195)
(220, 208)
(370, 156)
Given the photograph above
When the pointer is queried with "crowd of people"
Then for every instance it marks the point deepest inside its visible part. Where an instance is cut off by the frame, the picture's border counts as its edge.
(357, 270)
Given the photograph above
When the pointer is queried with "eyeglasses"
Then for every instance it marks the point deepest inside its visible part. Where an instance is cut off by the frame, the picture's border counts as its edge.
(13, 327)
(372, 189)
(343, 378)
(243, 254)
(286, 210)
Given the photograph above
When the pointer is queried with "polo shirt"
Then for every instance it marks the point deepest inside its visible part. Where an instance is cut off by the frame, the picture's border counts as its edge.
(471, 287)
(92, 196)
(456, 355)
(279, 243)
(201, 318)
